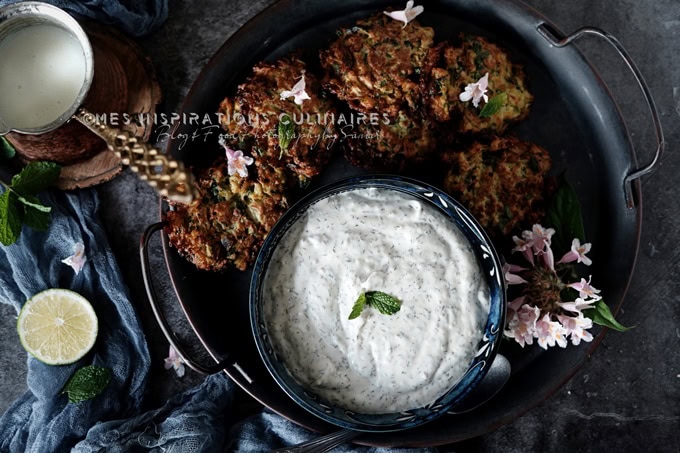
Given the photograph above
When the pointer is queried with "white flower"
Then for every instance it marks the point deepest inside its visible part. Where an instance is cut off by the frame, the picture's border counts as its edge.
(298, 92)
(476, 91)
(174, 361)
(523, 245)
(78, 259)
(522, 325)
(577, 305)
(549, 333)
(406, 15)
(509, 272)
(541, 238)
(577, 327)
(585, 290)
(237, 162)
(577, 253)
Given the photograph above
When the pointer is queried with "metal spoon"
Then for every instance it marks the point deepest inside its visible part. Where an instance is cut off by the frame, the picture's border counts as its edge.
(493, 382)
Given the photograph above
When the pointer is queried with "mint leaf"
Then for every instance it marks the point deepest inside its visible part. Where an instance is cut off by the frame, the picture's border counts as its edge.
(34, 203)
(494, 105)
(86, 383)
(358, 306)
(601, 315)
(38, 219)
(7, 151)
(383, 302)
(10, 218)
(286, 133)
(564, 215)
(35, 177)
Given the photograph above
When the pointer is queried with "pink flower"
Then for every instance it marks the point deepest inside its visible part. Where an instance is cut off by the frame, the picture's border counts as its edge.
(476, 91)
(523, 245)
(541, 238)
(550, 332)
(522, 324)
(78, 259)
(237, 162)
(298, 92)
(585, 290)
(577, 327)
(517, 303)
(174, 361)
(577, 253)
(406, 15)
(510, 277)
(548, 258)
(577, 305)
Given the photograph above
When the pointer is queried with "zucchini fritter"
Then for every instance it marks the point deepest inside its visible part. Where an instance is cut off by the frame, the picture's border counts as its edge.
(374, 65)
(501, 183)
(407, 140)
(252, 117)
(448, 69)
(226, 225)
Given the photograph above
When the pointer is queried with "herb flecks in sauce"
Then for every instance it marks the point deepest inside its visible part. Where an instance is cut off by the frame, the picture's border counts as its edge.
(359, 241)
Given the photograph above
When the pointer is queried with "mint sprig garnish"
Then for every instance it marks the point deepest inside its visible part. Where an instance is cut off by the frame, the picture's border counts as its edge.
(18, 204)
(383, 302)
(86, 383)
(494, 105)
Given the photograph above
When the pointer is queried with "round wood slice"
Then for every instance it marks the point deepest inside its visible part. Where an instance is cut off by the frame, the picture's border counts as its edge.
(124, 83)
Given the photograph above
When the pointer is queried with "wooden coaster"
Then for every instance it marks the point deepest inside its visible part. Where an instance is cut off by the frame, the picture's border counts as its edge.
(124, 82)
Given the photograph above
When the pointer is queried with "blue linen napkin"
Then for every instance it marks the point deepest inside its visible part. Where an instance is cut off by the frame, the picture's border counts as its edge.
(135, 17)
(42, 420)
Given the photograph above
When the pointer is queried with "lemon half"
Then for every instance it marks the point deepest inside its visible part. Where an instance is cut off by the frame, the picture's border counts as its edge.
(57, 326)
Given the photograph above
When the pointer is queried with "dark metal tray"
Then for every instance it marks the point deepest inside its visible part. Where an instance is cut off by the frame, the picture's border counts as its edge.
(573, 116)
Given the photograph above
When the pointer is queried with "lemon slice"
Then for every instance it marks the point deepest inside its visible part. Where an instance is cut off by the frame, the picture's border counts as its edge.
(57, 326)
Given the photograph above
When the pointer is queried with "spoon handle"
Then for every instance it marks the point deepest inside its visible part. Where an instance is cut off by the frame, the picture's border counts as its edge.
(321, 444)
(167, 175)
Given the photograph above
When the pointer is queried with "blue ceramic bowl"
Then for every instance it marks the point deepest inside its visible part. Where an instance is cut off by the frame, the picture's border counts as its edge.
(489, 339)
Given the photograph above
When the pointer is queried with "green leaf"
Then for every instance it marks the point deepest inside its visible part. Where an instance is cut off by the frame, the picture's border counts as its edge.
(35, 177)
(37, 219)
(286, 133)
(564, 215)
(34, 203)
(7, 151)
(601, 315)
(358, 306)
(384, 303)
(494, 105)
(10, 218)
(86, 383)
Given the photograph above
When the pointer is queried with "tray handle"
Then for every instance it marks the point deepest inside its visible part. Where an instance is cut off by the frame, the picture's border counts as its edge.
(158, 313)
(550, 35)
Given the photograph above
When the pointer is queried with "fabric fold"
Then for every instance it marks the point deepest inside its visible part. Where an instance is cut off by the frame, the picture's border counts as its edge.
(43, 420)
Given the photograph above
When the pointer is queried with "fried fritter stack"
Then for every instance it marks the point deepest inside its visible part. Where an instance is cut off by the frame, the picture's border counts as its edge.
(398, 72)
(227, 224)
(402, 96)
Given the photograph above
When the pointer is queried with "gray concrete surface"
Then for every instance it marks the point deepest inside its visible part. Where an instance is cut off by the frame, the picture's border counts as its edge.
(627, 396)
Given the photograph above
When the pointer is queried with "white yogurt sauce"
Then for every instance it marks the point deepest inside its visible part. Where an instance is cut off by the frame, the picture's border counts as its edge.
(375, 240)
(42, 69)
